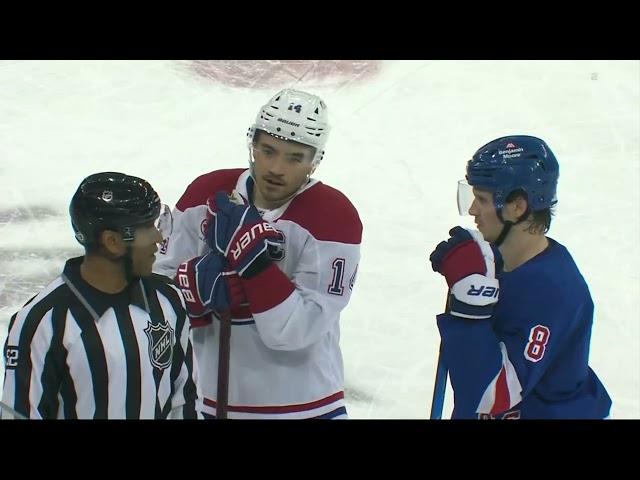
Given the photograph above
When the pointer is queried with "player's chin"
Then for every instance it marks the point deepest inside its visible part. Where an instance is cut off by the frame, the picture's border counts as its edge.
(483, 231)
(488, 236)
(275, 195)
(143, 269)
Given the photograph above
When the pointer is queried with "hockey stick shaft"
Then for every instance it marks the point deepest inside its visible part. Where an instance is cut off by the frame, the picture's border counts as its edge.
(439, 387)
(224, 350)
(440, 383)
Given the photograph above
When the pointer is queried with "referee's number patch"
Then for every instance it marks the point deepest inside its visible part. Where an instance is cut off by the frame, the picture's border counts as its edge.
(10, 357)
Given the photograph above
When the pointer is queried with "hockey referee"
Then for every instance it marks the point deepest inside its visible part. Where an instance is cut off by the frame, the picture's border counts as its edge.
(107, 339)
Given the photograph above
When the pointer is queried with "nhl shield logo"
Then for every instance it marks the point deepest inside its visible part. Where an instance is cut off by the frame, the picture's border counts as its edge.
(160, 344)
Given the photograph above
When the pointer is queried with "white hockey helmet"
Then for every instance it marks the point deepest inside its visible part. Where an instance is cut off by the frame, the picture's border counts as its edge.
(294, 115)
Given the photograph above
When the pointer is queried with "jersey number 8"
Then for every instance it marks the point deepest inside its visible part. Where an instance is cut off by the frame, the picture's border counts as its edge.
(538, 339)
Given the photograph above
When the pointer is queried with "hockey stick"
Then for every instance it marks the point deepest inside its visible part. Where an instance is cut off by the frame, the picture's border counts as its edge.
(439, 387)
(224, 349)
(440, 383)
(11, 411)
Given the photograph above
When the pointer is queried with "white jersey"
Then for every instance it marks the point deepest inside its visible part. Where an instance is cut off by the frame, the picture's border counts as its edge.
(285, 355)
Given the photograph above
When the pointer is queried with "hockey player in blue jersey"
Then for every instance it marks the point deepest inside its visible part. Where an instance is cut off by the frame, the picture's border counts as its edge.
(518, 325)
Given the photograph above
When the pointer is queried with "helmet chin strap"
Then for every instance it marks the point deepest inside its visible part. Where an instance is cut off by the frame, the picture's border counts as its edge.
(503, 234)
(507, 224)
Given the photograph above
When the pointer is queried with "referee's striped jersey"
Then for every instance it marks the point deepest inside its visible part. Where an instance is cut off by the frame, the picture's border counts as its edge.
(75, 352)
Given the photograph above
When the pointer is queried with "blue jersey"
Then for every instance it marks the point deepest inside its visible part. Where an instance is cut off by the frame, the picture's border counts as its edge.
(530, 360)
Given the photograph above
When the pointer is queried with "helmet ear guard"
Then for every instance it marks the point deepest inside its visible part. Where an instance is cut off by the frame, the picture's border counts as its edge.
(294, 115)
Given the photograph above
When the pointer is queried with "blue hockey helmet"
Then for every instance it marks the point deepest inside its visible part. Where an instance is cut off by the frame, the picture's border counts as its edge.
(518, 162)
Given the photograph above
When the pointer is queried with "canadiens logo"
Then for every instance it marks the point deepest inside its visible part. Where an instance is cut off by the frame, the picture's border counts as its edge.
(161, 339)
(275, 247)
(203, 228)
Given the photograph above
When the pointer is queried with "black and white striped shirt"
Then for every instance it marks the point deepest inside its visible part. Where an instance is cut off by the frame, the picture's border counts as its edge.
(75, 352)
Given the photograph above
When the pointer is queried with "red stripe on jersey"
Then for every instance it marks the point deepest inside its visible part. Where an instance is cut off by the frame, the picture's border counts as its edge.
(267, 289)
(207, 185)
(327, 214)
(197, 322)
(241, 313)
(501, 402)
(299, 407)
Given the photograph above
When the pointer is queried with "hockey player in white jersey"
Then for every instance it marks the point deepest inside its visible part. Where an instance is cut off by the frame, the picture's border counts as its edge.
(290, 250)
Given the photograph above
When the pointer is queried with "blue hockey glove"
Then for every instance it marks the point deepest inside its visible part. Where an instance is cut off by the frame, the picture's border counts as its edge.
(203, 285)
(237, 231)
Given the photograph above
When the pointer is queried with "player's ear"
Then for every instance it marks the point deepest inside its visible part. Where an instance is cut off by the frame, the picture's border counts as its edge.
(514, 209)
(112, 242)
(521, 206)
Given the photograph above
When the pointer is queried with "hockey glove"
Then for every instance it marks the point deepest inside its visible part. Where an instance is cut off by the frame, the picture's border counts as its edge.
(238, 232)
(466, 261)
(203, 285)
